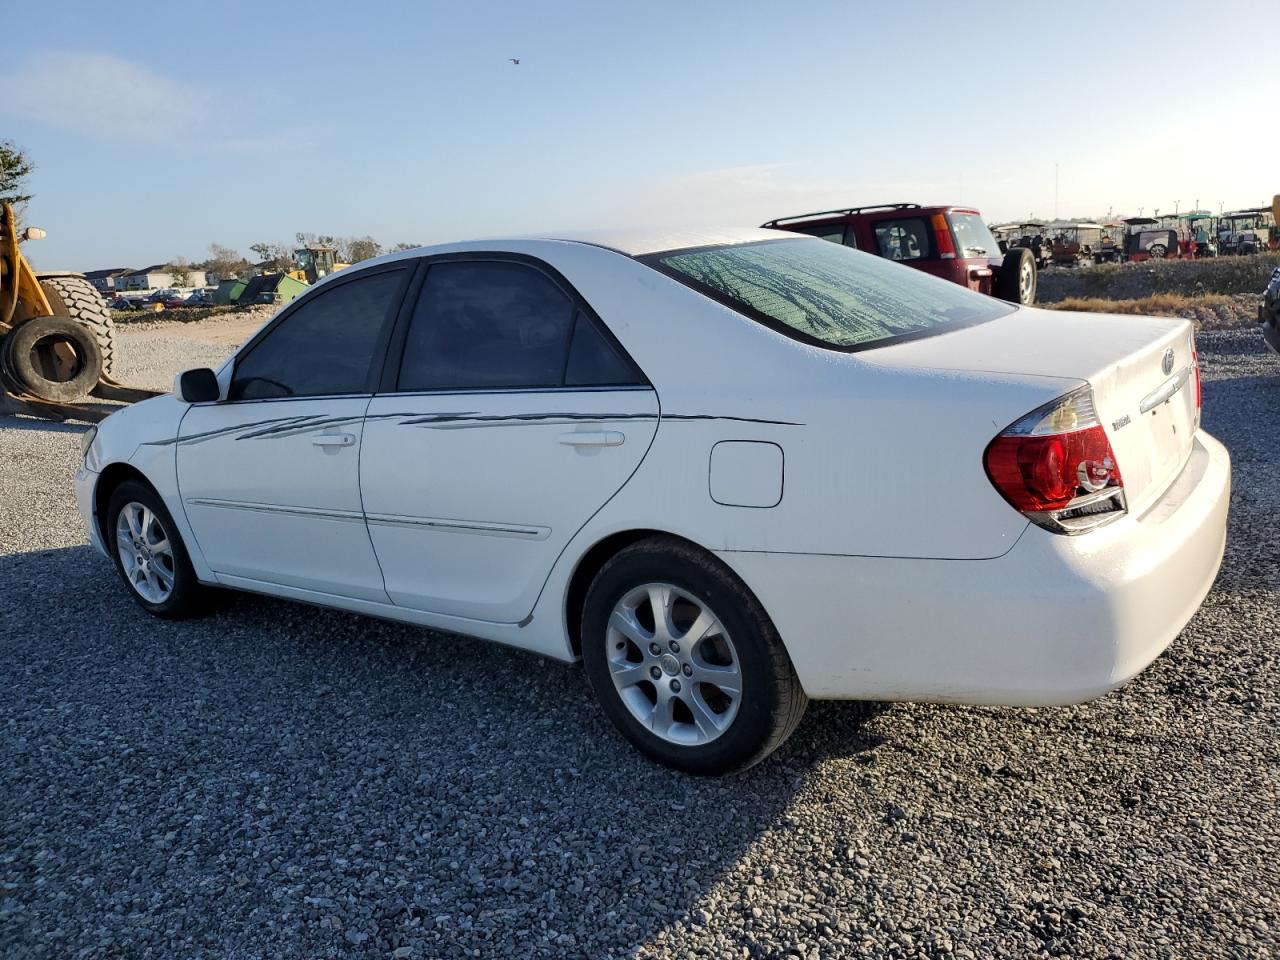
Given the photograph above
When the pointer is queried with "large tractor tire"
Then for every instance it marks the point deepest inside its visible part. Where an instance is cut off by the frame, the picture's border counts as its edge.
(75, 297)
(52, 358)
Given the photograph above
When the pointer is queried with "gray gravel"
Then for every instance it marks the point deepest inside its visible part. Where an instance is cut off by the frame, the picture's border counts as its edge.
(278, 781)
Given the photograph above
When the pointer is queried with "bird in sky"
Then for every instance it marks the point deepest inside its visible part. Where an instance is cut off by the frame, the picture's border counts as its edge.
(514, 60)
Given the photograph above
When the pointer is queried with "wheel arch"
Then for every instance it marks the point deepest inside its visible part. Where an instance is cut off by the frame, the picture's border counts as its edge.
(600, 553)
(111, 477)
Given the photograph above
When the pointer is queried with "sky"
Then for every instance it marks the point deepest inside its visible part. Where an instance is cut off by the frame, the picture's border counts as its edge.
(158, 129)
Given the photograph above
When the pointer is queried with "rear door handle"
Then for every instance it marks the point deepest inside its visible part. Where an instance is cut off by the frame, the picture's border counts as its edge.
(598, 438)
(334, 440)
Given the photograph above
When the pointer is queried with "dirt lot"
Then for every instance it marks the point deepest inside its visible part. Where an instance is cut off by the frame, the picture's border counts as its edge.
(280, 781)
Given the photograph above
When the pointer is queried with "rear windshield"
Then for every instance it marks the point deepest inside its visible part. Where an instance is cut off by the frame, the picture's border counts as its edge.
(973, 239)
(826, 294)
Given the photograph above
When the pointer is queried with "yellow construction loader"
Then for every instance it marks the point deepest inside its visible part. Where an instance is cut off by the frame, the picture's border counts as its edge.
(315, 263)
(57, 339)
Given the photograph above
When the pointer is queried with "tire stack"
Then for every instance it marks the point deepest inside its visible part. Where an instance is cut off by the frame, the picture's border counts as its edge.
(77, 298)
(61, 358)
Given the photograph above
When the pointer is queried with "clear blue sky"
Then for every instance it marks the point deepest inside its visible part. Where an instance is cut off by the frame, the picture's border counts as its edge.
(159, 128)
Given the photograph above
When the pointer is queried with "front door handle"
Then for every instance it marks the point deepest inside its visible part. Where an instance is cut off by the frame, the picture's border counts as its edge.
(334, 440)
(597, 438)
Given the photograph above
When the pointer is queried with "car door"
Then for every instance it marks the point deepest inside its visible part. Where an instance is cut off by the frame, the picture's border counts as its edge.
(512, 416)
(269, 477)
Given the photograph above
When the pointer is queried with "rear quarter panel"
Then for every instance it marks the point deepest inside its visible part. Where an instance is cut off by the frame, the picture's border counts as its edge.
(877, 461)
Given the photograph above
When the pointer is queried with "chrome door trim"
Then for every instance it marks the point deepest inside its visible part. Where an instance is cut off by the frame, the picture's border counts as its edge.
(350, 516)
(477, 527)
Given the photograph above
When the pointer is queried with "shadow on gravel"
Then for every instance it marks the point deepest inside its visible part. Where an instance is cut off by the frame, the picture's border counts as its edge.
(278, 778)
(10, 422)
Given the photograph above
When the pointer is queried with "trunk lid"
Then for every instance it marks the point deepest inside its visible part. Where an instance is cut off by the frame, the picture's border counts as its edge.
(1149, 412)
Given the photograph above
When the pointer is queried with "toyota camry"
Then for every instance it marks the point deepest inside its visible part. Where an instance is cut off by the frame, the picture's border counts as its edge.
(728, 471)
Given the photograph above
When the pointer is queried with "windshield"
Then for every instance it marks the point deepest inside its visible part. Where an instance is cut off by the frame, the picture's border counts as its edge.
(826, 294)
(973, 239)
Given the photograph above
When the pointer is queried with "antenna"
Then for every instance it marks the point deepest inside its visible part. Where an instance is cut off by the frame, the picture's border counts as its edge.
(1055, 191)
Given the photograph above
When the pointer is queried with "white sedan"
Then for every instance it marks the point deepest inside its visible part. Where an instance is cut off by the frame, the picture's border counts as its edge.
(730, 471)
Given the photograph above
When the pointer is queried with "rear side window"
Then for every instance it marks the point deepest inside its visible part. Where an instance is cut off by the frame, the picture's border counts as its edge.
(594, 361)
(326, 344)
(826, 294)
(904, 239)
(973, 238)
(491, 324)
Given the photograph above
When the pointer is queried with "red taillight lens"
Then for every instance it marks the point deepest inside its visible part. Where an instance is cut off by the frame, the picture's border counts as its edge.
(942, 236)
(1048, 472)
(1056, 466)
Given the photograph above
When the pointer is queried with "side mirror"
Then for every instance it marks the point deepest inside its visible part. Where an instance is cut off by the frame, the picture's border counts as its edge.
(196, 386)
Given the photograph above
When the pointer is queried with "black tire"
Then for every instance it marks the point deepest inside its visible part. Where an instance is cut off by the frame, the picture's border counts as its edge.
(771, 701)
(1016, 281)
(187, 597)
(77, 298)
(53, 358)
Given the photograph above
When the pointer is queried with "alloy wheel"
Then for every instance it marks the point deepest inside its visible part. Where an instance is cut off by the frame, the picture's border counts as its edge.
(673, 664)
(146, 552)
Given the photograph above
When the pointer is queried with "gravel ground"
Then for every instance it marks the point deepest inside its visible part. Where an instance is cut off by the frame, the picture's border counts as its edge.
(277, 781)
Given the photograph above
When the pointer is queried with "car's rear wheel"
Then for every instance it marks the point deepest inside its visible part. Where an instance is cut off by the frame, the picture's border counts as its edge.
(684, 660)
(1157, 251)
(1017, 279)
(149, 553)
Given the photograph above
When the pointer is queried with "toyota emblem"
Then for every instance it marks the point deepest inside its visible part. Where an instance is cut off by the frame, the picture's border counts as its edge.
(1166, 362)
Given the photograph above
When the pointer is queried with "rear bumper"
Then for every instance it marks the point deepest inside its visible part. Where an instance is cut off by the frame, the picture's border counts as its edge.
(1055, 620)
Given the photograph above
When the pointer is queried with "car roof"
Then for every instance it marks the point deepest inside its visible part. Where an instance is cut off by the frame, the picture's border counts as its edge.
(631, 242)
(881, 210)
(637, 242)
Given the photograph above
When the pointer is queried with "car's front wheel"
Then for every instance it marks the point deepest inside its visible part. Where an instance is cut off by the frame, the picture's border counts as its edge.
(684, 660)
(149, 553)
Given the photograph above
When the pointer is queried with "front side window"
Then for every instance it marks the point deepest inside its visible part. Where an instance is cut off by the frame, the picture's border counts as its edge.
(826, 294)
(905, 239)
(325, 346)
(494, 324)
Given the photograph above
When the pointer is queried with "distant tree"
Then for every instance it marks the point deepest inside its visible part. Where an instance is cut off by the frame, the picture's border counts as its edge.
(306, 239)
(15, 167)
(404, 246)
(362, 248)
(275, 257)
(180, 270)
(225, 263)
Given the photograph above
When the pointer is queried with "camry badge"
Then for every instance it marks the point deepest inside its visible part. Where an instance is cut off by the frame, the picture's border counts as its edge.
(1166, 362)
(1122, 422)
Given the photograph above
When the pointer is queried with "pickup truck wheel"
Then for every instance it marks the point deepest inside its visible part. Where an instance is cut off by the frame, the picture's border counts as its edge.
(1017, 280)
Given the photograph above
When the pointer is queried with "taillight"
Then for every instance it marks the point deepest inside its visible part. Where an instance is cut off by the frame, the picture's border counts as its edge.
(942, 237)
(1056, 466)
